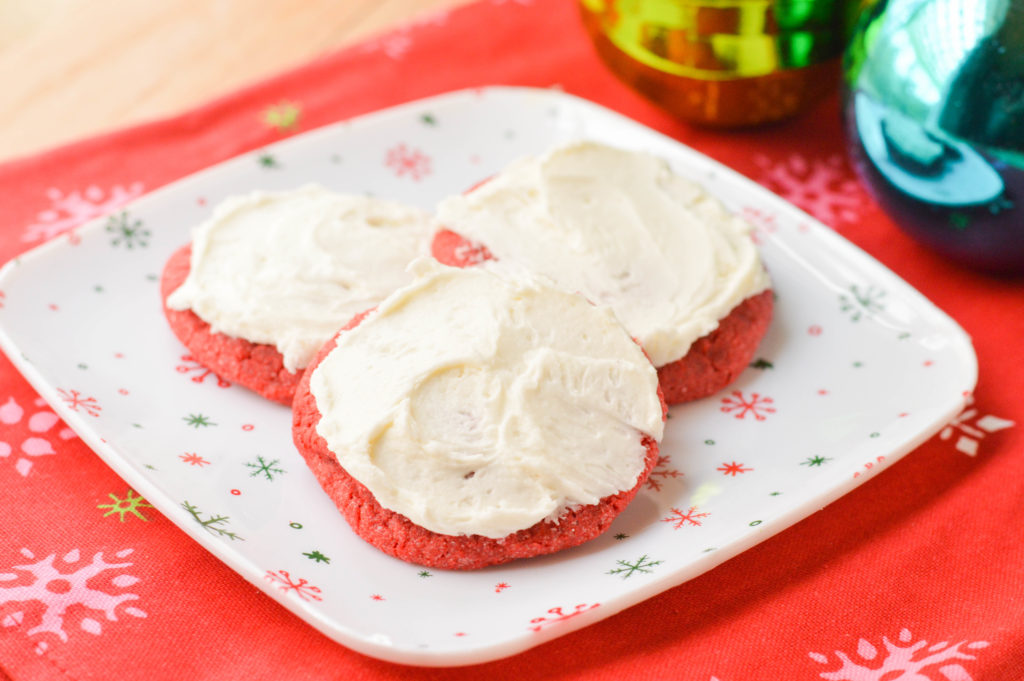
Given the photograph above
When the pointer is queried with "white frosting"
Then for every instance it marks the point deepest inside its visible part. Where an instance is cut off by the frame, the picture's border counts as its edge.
(289, 268)
(483, 401)
(622, 229)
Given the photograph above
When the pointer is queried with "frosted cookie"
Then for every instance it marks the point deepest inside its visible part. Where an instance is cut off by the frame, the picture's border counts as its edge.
(625, 231)
(271, 276)
(477, 416)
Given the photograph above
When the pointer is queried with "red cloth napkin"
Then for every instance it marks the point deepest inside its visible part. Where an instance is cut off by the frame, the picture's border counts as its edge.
(927, 553)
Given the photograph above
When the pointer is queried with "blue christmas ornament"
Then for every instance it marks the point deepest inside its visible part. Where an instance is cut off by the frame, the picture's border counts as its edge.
(934, 109)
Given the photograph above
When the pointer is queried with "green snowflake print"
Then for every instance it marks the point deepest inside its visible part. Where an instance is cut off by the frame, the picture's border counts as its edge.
(861, 302)
(127, 231)
(317, 556)
(815, 460)
(266, 468)
(627, 569)
(761, 363)
(424, 573)
(283, 117)
(130, 504)
(213, 524)
(621, 535)
(198, 421)
(267, 160)
(428, 119)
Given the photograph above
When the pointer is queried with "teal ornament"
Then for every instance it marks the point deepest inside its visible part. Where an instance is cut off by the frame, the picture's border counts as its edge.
(933, 102)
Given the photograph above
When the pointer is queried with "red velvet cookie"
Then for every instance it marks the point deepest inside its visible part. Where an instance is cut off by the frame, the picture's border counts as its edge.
(713, 361)
(398, 536)
(256, 366)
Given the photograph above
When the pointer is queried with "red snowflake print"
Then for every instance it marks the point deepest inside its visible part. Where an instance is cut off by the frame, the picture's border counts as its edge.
(500, 586)
(285, 583)
(907, 661)
(558, 615)
(199, 373)
(77, 402)
(405, 161)
(657, 478)
(756, 404)
(733, 469)
(193, 459)
(681, 519)
(814, 330)
(377, 597)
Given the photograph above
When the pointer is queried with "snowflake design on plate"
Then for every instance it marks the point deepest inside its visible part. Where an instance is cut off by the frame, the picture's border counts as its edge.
(825, 188)
(302, 588)
(733, 469)
(30, 442)
(862, 301)
(405, 161)
(199, 373)
(627, 569)
(56, 591)
(267, 469)
(902, 660)
(557, 615)
(198, 421)
(757, 405)
(193, 459)
(763, 221)
(69, 210)
(680, 518)
(213, 523)
(661, 473)
(971, 435)
(76, 401)
(127, 231)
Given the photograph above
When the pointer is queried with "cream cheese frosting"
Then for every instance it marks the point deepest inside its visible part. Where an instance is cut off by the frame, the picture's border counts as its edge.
(625, 231)
(483, 401)
(289, 268)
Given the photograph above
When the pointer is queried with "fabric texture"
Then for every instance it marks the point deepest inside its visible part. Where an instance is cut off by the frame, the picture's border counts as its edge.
(927, 551)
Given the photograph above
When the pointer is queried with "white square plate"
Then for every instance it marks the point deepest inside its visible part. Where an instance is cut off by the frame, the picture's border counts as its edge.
(857, 369)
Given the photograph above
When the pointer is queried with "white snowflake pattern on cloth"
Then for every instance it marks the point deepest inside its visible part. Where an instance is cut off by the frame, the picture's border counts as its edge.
(72, 209)
(58, 591)
(31, 444)
(394, 44)
(971, 435)
(903, 660)
(825, 188)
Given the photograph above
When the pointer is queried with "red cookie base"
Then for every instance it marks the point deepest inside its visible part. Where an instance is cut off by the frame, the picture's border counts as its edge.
(256, 366)
(715, 360)
(398, 536)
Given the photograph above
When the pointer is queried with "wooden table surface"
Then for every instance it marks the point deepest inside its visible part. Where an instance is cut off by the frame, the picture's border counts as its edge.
(74, 68)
